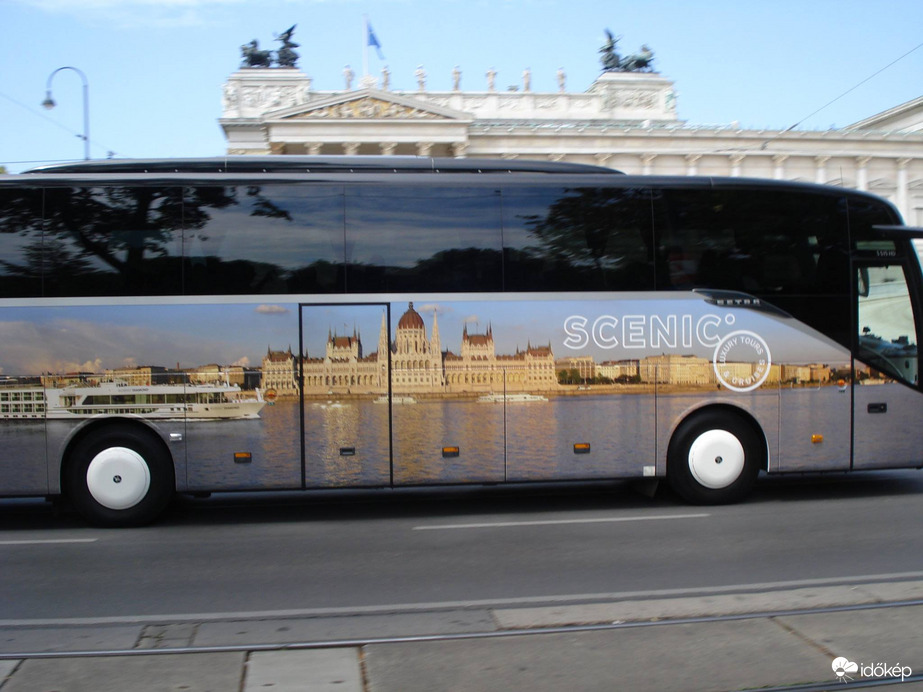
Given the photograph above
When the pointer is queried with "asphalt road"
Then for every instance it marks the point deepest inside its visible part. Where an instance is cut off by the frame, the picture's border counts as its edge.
(367, 552)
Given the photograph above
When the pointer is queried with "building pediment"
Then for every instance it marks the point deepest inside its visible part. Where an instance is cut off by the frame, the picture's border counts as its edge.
(368, 104)
(906, 117)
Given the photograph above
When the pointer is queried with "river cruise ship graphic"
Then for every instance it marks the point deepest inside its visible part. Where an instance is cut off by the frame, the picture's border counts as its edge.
(115, 398)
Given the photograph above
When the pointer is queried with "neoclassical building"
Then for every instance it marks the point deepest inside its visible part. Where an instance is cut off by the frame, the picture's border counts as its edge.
(623, 120)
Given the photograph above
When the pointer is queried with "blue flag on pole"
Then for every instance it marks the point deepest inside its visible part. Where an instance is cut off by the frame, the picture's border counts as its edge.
(373, 41)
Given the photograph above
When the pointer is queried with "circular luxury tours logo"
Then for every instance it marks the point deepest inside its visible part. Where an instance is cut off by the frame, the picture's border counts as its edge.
(742, 361)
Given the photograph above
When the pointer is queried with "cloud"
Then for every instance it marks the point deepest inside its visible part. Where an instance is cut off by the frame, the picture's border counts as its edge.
(441, 309)
(272, 310)
(73, 366)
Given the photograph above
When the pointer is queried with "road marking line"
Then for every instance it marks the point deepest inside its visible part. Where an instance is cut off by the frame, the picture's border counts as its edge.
(49, 541)
(557, 522)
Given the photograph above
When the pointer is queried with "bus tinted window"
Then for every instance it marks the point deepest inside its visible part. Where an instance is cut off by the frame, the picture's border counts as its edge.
(107, 241)
(583, 239)
(20, 242)
(791, 249)
(263, 239)
(423, 239)
(756, 241)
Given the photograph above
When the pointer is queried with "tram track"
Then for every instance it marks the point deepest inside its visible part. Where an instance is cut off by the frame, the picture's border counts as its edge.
(502, 633)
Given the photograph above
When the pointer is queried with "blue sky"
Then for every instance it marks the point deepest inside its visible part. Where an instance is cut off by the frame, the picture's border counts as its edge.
(155, 67)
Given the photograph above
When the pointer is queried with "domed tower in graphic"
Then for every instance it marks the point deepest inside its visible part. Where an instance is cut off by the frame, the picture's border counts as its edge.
(416, 360)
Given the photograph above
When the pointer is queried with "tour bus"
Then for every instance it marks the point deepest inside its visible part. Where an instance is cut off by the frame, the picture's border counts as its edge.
(254, 323)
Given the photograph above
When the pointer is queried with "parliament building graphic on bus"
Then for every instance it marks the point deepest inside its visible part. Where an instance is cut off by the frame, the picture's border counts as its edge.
(422, 363)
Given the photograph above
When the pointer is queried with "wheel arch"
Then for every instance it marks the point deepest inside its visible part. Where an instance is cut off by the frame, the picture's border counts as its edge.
(95, 427)
(723, 409)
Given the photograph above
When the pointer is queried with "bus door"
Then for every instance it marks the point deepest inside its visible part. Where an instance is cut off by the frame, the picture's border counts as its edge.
(888, 403)
(344, 370)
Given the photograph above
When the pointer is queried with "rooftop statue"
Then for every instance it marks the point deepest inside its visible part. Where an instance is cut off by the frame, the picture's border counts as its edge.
(253, 56)
(640, 62)
(284, 57)
(613, 62)
(610, 59)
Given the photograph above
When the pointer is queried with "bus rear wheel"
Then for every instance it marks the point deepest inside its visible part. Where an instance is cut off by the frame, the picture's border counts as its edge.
(119, 476)
(714, 457)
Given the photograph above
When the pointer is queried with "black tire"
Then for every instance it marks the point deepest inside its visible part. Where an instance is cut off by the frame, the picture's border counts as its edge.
(120, 475)
(714, 458)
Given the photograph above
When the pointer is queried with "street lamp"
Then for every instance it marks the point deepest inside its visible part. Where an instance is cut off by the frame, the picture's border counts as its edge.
(49, 104)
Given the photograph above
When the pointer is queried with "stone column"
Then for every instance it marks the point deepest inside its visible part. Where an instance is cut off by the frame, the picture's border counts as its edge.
(902, 191)
(862, 172)
(820, 169)
(692, 164)
(460, 150)
(602, 159)
(736, 161)
(387, 148)
(647, 163)
(778, 172)
(350, 148)
(424, 148)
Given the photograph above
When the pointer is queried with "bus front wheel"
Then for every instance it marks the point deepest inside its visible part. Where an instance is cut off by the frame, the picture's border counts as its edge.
(119, 476)
(714, 457)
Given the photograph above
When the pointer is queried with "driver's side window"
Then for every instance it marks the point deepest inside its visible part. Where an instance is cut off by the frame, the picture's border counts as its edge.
(887, 332)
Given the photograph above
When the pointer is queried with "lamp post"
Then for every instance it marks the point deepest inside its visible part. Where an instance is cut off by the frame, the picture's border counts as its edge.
(49, 104)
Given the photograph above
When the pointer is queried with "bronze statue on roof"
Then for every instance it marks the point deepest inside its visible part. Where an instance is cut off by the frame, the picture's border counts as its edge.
(613, 62)
(286, 56)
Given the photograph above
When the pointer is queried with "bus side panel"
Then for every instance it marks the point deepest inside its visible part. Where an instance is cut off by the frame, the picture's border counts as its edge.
(815, 427)
(182, 369)
(257, 446)
(23, 469)
(887, 425)
(591, 433)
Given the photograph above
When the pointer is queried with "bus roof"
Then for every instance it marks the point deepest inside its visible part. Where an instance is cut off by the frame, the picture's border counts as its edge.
(321, 164)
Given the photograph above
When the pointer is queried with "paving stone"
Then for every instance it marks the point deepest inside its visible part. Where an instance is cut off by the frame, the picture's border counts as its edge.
(729, 655)
(216, 672)
(316, 670)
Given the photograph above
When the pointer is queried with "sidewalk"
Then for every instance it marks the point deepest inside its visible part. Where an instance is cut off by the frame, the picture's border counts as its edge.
(659, 644)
